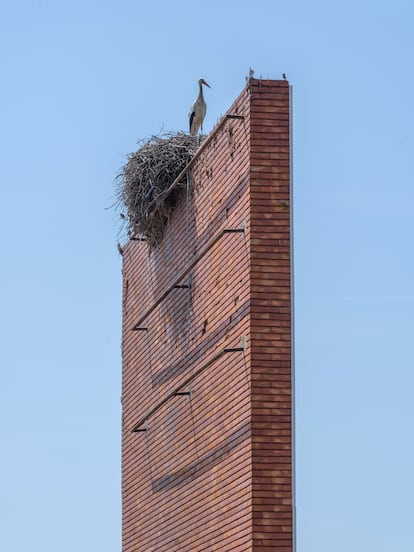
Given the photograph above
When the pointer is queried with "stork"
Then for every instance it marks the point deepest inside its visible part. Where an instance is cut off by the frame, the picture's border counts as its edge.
(198, 110)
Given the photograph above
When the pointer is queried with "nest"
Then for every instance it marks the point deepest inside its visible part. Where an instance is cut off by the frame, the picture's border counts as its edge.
(147, 191)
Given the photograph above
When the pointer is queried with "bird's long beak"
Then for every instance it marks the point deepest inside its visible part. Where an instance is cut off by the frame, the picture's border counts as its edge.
(206, 83)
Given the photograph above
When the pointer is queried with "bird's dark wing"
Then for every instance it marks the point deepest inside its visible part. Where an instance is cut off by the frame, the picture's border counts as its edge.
(192, 115)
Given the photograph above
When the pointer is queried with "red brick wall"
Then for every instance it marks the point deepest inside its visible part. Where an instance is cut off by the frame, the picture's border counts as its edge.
(212, 471)
(270, 319)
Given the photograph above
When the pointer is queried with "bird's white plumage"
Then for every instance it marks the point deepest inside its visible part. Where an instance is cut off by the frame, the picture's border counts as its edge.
(198, 110)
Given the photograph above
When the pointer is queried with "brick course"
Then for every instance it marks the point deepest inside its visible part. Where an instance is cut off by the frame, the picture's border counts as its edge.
(213, 470)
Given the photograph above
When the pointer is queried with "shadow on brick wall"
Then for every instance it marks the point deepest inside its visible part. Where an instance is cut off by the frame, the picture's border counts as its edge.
(206, 462)
(198, 354)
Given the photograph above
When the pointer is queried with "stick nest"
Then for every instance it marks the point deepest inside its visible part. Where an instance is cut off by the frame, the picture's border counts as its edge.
(145, 190)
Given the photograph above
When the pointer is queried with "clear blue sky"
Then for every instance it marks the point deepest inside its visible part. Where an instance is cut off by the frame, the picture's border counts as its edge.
(81, 81)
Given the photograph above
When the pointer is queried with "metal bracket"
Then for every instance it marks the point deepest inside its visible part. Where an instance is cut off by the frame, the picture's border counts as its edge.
(142, 429)
(188, 393)
(234, 116)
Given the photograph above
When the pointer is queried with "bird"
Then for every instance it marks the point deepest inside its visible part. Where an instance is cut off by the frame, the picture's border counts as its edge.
(251, 73)
(284, 76)
(198, 110)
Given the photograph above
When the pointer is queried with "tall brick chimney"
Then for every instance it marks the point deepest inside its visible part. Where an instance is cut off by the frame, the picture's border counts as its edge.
(207, 446)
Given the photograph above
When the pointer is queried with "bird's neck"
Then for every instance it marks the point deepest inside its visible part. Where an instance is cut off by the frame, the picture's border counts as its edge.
(200, 95)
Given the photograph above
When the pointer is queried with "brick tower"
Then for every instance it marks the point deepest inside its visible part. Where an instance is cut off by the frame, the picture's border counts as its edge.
(207, 447)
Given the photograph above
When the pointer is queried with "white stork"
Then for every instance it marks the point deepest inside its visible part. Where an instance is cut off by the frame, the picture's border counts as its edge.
(198, 110)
